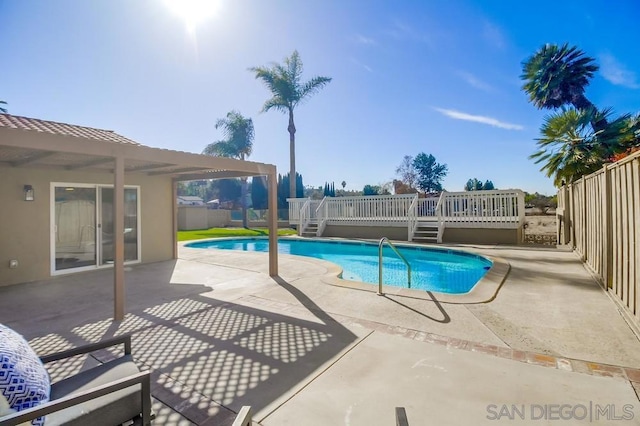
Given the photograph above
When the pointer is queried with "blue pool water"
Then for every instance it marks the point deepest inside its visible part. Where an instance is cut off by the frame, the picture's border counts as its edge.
(445, 271)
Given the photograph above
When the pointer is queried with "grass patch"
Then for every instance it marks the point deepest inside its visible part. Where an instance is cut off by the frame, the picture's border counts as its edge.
(229, 232)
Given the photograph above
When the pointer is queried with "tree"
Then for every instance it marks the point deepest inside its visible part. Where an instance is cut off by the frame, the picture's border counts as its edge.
(477, 185)
(259, 193)
(371, 190)
(399, 187)
(2, 109)
(284, 82)
(556, 76)
(284, 187)
(407, 172)
(228, 189)
(473, 185)
(429, 173)
(568, 146)
(579, 138)
(237, 143)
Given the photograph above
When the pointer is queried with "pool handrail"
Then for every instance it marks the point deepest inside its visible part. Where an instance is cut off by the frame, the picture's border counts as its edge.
(380, 245)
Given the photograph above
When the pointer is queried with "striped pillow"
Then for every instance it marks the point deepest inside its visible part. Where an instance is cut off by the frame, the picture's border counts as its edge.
(24, 382)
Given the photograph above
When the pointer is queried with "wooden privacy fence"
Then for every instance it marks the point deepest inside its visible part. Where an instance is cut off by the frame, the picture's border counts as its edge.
(599, 216)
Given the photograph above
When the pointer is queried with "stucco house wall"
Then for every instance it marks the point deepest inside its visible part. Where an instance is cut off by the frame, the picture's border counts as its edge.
(25, 226)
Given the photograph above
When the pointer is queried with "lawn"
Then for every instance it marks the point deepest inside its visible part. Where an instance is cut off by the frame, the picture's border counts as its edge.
(229, 232)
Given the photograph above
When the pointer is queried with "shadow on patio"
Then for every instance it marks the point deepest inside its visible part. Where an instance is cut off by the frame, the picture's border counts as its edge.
(209, 357)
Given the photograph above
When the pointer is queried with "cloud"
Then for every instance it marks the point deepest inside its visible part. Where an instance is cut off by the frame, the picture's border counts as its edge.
(474, 81)
(360, 39)
(457, 115)
(365, 66)
(616, 73)
(403, 31)
(494, 35)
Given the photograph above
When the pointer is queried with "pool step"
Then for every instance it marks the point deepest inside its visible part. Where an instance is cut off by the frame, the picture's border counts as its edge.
(426, 232)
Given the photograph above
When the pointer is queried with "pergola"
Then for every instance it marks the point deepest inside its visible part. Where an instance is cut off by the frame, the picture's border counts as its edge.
(29, 146)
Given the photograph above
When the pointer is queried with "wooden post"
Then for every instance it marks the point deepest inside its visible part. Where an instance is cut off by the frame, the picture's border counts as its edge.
(607, 244)
(118, 239)
(174, 209)
(572, 219)
(273, 223)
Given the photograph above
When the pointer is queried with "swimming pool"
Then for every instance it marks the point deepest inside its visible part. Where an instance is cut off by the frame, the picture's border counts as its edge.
(432, 269)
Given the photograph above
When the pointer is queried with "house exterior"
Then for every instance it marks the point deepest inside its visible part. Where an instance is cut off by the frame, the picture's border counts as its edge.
(76, 198)
(190, 200)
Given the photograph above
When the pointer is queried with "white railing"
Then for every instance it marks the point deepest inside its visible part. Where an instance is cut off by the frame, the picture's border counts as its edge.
(321, 215)
(472, 209)
(440, 216)
(413, 221)
(426, 207)
(371, 208)
(483, 209)
(295, 205)
(305, 216)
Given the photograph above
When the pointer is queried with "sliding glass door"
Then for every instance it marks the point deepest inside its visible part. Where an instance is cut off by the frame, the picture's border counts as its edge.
(130, 225)
(74, 227)
(82, 226)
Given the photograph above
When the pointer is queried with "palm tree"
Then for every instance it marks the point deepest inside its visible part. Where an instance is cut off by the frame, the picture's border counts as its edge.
(237, 143)
(3, 110)
(556, 76)
(284, 82)
(569, 147)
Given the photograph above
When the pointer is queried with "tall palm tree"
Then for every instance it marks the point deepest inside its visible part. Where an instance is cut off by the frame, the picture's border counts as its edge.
(284, 82)
(556, 76)
(3, 110)
(237, 143)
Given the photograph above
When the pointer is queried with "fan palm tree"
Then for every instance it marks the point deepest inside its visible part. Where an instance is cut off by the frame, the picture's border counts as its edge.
(284, 82)
(237, 143)
(2, 109)
(569, 147)
(556, 76)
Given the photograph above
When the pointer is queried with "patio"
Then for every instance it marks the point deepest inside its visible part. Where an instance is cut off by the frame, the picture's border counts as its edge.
(219, 333)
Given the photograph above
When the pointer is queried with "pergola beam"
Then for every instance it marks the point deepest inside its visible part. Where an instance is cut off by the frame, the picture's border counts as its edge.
(171, 172)
(91, 163)
(215, 175)
(35, 157)
(150, 167)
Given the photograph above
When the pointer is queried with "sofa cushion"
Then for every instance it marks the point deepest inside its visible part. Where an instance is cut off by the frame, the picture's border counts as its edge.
(24, 382)
(114, 408)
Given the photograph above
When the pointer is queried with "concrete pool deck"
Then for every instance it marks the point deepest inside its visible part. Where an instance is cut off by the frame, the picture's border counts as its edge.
(218, 333)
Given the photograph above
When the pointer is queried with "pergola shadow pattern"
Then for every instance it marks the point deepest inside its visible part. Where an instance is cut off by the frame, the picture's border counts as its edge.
(208, 357)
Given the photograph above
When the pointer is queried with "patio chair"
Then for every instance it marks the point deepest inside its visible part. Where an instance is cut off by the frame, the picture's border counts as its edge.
(109, 394)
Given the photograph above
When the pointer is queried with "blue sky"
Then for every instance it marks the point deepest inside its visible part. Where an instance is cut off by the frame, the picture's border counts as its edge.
(440, 77)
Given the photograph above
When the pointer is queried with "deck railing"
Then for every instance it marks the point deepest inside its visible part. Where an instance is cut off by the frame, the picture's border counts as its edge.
(472, 209)
(485, 209)
(305, 216)
(321, 215)
(373, 208)
(413, 220)
(440, 217)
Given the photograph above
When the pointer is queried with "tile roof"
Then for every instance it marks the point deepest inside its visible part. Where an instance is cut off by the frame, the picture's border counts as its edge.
(52, 127)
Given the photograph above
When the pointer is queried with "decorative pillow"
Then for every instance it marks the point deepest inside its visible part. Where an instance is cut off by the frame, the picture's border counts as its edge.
(24, 382)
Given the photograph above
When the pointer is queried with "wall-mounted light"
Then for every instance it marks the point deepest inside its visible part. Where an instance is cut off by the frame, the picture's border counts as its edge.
(29, 193)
